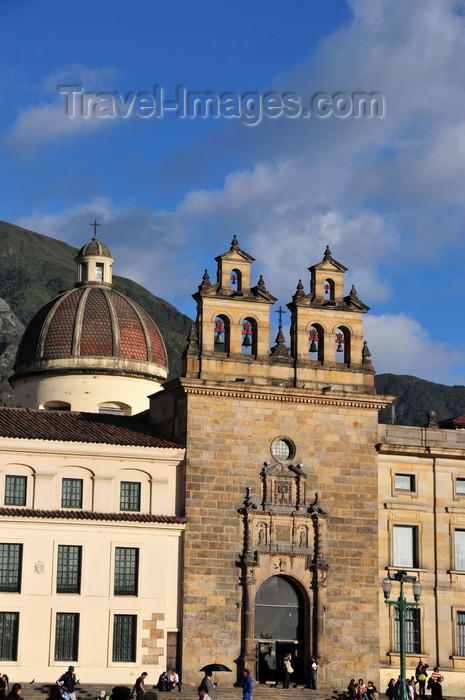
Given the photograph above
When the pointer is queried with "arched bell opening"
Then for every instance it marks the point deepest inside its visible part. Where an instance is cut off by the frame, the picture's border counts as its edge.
(328, 290)
(249, 336)
(281, 626)
(235, 280)
(316, 339)
(221, 333)
(342, 345)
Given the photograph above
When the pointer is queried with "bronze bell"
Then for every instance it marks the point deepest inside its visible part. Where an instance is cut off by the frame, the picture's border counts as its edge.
(246, 343)
(313, 347)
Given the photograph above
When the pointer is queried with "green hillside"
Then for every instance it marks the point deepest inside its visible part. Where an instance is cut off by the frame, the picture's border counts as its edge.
(35, 268)
(415, 397)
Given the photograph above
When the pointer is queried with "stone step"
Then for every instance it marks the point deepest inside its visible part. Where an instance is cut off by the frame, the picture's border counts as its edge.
(40, 691)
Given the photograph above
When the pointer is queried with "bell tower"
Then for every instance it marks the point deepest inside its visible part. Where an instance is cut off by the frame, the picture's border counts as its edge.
(280, 481)
(232, 332)
(327, 332)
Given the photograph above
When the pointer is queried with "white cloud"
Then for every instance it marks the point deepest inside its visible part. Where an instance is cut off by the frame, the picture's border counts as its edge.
(49, 120)
(400, 345)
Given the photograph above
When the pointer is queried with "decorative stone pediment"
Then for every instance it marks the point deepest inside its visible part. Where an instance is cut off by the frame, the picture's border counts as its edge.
(282, 522)
(283, 487)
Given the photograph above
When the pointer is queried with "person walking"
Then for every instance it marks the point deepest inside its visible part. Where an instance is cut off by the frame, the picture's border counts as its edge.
(139, 686)
(207, 683)
(247, 685)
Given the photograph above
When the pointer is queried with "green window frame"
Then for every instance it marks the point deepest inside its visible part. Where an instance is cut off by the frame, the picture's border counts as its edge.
(126, 571)
(460, 633)
(66, 636)
(71, 493)
(15, 490)
(412, 631)
(9, 628)
(130, 495)
(124, 638)
(69, 568)
(11, 556)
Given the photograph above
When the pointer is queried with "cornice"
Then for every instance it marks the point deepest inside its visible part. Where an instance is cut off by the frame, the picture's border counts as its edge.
(199, 387)
(420, 449)
(391, 505)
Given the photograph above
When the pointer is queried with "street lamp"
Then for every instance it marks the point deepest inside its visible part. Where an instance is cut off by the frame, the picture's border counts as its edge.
(402, 606)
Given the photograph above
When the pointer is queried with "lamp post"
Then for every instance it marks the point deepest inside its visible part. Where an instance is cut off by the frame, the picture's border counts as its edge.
(402, 606)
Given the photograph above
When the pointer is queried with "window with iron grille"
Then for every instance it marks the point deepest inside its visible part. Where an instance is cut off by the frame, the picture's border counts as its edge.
(10, 567)
(126, 570)
(67, 637)
(69, 569)
(9, 625)
(15, 490)
(460, 633)
(412, 631)
(130, 495)
(71, 493)
(124, 638)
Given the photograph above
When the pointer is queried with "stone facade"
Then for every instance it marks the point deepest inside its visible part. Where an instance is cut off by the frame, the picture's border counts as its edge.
(430, 504)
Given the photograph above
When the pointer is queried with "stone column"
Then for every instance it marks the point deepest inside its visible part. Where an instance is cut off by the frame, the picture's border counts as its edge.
(248, 656)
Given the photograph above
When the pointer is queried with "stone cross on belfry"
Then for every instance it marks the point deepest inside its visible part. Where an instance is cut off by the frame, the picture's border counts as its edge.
(280, 311)
(95, 224)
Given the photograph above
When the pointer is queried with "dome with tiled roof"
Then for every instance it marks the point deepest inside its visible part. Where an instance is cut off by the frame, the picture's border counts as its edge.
(94, 247)
(88, 326)
(90, 331)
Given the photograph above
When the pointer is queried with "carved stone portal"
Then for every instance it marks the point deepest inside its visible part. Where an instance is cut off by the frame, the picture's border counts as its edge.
(284, 535)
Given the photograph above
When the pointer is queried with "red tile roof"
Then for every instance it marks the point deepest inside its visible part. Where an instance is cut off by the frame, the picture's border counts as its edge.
(66, 514)
(67, 426)
(456, 422)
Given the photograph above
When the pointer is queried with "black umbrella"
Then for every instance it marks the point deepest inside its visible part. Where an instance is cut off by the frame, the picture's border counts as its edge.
(215, 667)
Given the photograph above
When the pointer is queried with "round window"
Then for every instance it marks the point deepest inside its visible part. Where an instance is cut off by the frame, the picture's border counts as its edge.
(282, 449)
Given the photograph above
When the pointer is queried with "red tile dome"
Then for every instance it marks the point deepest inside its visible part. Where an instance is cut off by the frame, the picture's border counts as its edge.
(92, 329)
(94, 247)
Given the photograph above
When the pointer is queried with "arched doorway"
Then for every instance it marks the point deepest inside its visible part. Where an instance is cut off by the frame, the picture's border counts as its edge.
(279, 629)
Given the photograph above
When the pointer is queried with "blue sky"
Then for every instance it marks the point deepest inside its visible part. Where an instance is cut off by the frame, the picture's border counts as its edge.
(386, 193)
